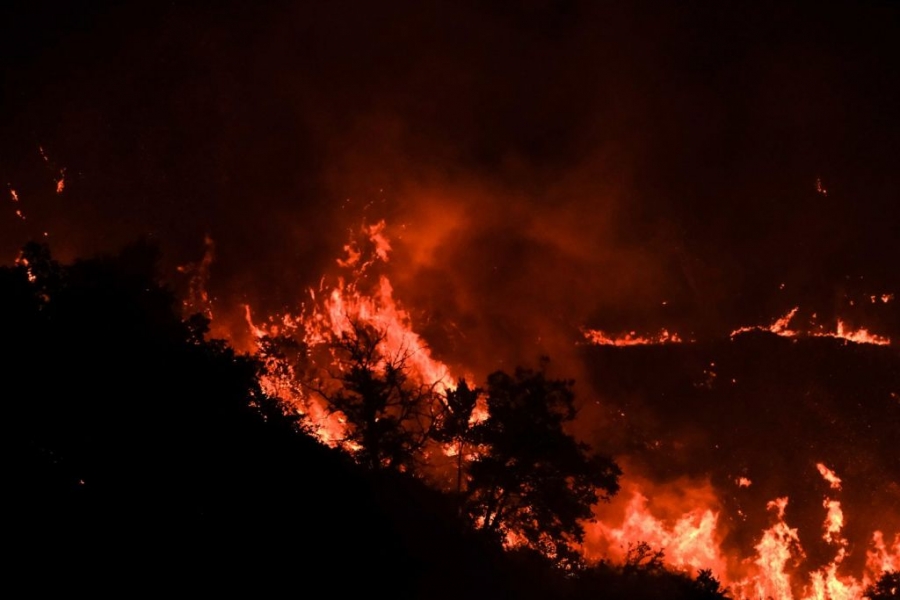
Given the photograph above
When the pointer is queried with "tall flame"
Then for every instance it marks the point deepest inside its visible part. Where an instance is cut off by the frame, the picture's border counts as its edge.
(334, 309)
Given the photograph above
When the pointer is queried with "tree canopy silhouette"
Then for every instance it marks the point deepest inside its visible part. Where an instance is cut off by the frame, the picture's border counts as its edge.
(388, 412)
(534, 480)
(886, 588)
(134, 445)
(453, 424)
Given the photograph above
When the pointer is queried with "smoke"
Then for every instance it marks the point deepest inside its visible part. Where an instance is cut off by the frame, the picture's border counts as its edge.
(541, 168)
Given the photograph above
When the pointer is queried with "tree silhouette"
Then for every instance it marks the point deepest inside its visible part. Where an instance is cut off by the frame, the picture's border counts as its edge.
(454, 424)
(135, 445)
(642, 558)
(535, 480)
(388, 413)
(886, 588)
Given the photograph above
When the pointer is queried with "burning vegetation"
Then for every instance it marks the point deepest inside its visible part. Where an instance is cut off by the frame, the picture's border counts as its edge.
(348, 368)
(360, 378)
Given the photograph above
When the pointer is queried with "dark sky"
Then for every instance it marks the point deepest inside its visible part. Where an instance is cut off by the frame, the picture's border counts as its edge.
(542, 166)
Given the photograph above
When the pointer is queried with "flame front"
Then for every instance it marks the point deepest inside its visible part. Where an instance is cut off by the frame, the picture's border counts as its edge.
(632, 338)
(781, 327)
(686, 524)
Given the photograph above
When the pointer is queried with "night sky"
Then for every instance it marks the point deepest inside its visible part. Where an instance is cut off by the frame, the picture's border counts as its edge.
(542, 166)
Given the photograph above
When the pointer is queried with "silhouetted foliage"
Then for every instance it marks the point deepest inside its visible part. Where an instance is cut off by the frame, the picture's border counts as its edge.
(642, 558)
(453, 424)
(887, 587)
(388, 413)
(139, 452)
(707, 587)
(535, 480)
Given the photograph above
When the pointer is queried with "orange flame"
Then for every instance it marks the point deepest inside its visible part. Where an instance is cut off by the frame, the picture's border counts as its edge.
(829, 476)
(857, 336)
(778, 547)
(778, 327)
(689, 542)
(685, 524)
(781, 328)
(61, 182)
(333, 311)
(682, 519)
(598, 337)
(882, 558)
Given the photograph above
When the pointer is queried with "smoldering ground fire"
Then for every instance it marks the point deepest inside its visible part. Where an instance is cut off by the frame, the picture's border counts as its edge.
(689, 210)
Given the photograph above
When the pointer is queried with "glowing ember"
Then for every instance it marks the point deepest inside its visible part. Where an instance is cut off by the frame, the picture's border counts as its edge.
(197, 299)
(829, 476)
(779, 546)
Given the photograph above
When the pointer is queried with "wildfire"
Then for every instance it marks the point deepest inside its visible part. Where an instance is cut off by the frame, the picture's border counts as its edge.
(686, 524)
(689, 541)
(683, 520)
(778, 546)
(333, 311)
(882, 557)
(781, 327)
(857, 336)
(778, 327)
(198, 299)
(829, 476)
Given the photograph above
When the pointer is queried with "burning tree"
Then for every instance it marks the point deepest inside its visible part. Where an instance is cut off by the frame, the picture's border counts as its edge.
(388, 412)
(535, 484)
